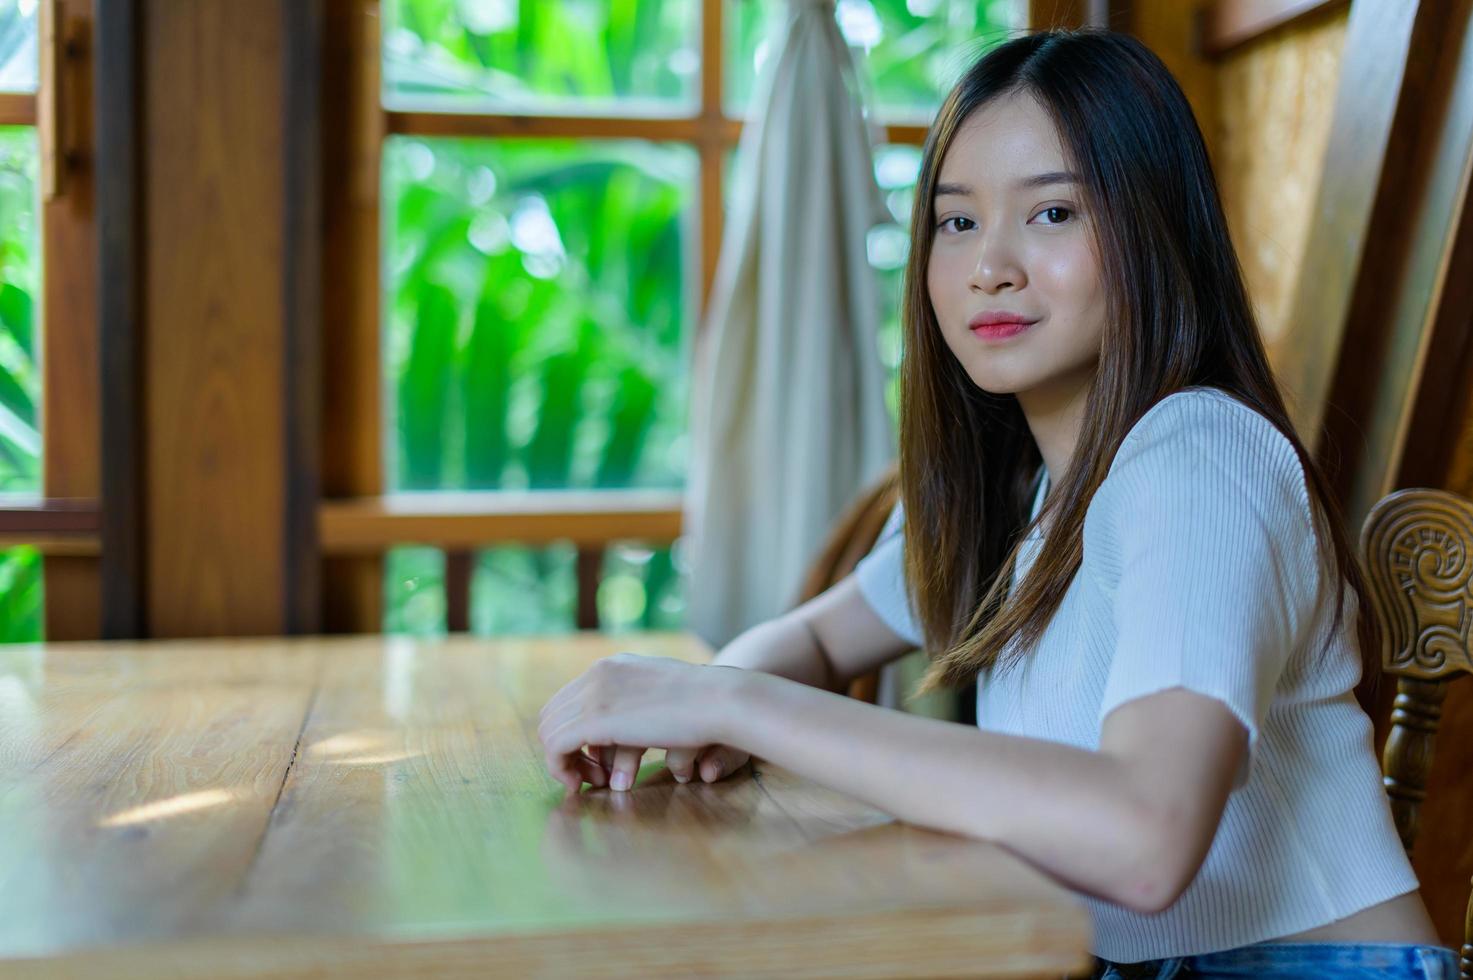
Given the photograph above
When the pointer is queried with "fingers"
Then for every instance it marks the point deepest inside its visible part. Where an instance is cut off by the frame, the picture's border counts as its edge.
(576, 768)
(681, 763)
(718, 761)
(592, 769)
(625, 767)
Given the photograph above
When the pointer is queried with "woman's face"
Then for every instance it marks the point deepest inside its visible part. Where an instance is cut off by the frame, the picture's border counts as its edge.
(1010, 237)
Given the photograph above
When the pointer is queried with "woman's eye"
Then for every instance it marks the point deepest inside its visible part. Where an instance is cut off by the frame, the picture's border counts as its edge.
(1053, 214)
(957, 223)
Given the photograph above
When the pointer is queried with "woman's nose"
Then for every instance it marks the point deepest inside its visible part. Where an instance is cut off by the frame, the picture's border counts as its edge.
(997, 266)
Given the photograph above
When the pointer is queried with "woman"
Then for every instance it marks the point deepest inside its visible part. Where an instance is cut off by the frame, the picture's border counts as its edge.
(1109, 524)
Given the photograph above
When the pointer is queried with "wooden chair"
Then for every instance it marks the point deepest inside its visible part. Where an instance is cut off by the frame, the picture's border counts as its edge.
(1418, 550)
(849, 540)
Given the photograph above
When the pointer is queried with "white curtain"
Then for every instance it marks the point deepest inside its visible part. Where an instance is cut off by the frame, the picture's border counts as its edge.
(788, 409)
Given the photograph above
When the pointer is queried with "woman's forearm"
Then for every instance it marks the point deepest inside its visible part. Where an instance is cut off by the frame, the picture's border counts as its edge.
(784, 647)
(1065, 809)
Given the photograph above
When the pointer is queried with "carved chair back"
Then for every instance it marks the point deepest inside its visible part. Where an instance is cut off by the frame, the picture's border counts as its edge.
(1417, 546)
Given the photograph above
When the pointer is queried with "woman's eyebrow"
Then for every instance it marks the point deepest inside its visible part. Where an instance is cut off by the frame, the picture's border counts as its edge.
(1050, 177)
(1037, 180)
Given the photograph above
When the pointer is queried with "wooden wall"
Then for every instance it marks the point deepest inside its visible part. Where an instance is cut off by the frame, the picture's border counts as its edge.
(1273, 123)
(1267, 110)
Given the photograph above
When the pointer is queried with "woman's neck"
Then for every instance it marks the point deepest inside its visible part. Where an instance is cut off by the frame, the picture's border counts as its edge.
(1055, 414)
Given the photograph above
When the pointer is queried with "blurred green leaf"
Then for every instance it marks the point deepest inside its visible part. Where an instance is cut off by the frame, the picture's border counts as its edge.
(424, 385)
(550, 453)
(21, 596)
(486, 380)
(633, 411)
(16, 314)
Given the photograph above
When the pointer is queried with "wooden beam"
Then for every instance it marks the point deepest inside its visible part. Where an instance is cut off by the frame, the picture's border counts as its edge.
(1356, 200)
(65, 548)
(1404, 382)
(71, 389)
(301, 278)
(351, 429)
(17, 109)
(460, 568)
(49, 516)
(214, 348)
(423, 123)
(1228, 24)
(690, 130)
(473, 520)
(590, 566)
(119, 230)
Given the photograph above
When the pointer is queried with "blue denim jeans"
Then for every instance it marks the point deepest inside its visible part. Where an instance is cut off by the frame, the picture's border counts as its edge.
(1282, 961)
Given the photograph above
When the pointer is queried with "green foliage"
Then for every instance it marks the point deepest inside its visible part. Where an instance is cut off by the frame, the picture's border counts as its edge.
(20, 368)
(540, 55)
(537, 312)
(21, 586)
(20, 596)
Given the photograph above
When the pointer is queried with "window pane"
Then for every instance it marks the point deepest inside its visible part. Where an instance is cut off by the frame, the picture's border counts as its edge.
(18, 46)
(523, 591)
(414, 591)
(537, 300)
(641, 589)
(888, 245)
(915, 49)
(625, 57)
(20, 277)
(20, 596)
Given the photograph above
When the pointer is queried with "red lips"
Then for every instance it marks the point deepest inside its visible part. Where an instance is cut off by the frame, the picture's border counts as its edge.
(999, 317)
(999, 325)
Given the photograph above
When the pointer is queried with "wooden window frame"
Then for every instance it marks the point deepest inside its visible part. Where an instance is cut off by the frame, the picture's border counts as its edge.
(357, 521)
(63, 520)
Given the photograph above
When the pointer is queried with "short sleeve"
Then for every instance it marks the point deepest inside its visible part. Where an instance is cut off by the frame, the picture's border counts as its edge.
(880, 576)
(1211, 546)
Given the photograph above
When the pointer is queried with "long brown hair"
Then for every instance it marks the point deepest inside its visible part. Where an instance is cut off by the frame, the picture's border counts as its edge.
(1177, 315)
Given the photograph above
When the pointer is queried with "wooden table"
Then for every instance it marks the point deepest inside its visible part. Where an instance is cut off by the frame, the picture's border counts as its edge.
(379, 806)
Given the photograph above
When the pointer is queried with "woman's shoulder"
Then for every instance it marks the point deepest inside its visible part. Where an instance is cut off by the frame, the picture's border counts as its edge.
(1206, 447)
(1201, 425)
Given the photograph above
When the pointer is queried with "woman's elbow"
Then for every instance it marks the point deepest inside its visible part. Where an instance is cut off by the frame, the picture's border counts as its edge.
(1160, 866)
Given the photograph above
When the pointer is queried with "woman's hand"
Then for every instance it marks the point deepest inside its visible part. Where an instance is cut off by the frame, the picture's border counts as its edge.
(626, 702)
(707, 764)
(616, 766)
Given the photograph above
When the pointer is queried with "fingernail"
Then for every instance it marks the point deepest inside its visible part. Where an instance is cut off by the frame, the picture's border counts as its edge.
(681, 779)
(716, 768)
(621, 780)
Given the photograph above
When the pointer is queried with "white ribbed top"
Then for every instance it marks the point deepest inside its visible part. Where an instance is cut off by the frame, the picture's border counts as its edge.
(1199, 571)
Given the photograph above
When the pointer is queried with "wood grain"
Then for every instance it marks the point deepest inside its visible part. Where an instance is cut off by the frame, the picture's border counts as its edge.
(71, 387)
(1275, 101)
(1169, 29)
(1227, 24)
(1416, 545)
(120, 315)
(351, 460)
(475, 519)
(1359, 200)
(1411, 310)
(213, 344)
(378, 806)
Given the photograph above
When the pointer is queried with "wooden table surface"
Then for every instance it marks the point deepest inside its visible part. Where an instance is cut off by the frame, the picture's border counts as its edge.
(379, 806)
